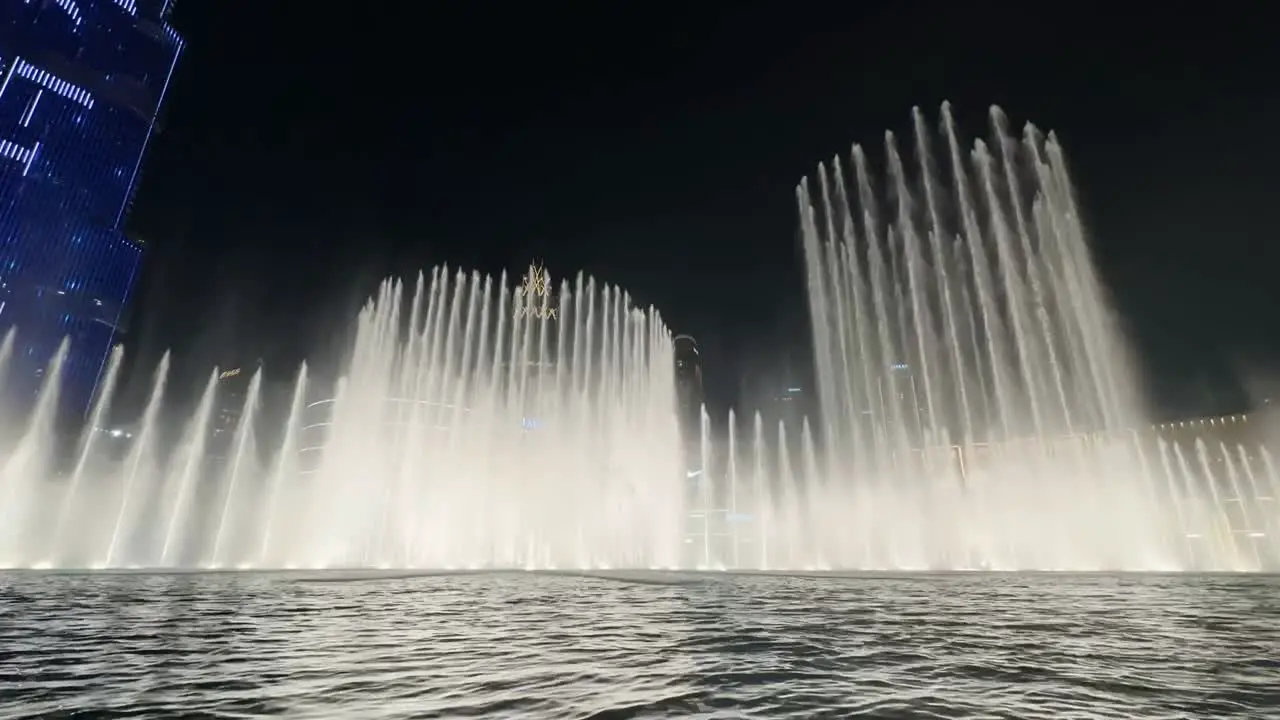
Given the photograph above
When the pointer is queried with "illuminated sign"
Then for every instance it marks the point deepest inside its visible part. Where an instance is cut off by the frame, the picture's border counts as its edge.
(535, 287)
(229, 373)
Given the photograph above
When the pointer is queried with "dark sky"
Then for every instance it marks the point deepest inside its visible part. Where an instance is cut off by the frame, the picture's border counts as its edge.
(307, 153)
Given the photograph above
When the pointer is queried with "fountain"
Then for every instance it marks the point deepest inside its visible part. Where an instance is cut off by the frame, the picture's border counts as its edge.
(462, 481)
(978, 406)
(978, 411)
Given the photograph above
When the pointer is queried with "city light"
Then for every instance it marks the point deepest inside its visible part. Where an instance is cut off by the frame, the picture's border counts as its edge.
(66, 158)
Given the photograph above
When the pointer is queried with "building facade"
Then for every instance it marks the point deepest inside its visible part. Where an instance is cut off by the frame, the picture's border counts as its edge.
(81, 86)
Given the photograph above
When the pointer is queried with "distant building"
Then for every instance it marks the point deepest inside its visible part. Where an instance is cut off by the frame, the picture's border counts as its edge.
(789, 405)
(1248, 430)
(689, 393)
(780, 389)
(228, 406)
(82, 84)
(905, 403)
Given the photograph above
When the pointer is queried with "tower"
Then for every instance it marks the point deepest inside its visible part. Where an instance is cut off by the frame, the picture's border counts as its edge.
(81, 87)
(689, 395)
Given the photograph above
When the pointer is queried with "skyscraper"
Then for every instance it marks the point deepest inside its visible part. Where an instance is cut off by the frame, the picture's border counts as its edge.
(81, 86)
(228, 407)
(688, 384)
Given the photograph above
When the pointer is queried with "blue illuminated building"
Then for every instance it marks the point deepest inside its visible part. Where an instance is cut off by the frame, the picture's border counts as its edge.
(81, 85)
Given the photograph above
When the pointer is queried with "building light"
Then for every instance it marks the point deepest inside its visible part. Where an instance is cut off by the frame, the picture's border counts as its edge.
(72, 177)
(31, 108)
(44, 79)
(71, 9)
(229, 374)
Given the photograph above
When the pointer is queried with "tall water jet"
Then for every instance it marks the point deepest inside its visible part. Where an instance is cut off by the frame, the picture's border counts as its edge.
(6, 352)
(6, 359)
(88, 445)
(24, 471)
(187, 472)
(241, 444)
(282, 480)
(134, 468)
(474, 426)
(973, 387)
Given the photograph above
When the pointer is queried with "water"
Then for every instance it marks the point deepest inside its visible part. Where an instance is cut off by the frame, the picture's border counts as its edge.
(654, 645)
(476, 426)
(979, 411)
(979, 408)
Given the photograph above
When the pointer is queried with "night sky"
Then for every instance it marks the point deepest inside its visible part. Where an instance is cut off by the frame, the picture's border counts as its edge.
(308, 153)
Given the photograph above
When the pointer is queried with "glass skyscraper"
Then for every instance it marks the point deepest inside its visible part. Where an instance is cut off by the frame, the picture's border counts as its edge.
(81, 85)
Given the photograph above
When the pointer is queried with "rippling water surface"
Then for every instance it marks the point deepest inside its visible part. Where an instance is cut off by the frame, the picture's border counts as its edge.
(525, 645)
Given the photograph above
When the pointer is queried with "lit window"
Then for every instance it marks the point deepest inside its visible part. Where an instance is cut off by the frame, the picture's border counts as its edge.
(67, 90)
(70, 8)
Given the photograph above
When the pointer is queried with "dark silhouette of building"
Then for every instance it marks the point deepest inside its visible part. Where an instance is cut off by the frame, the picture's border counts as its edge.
(782, 392)
(689, 394)
(228, 409)
(905, 405)
(228, 403)
(81, 86)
